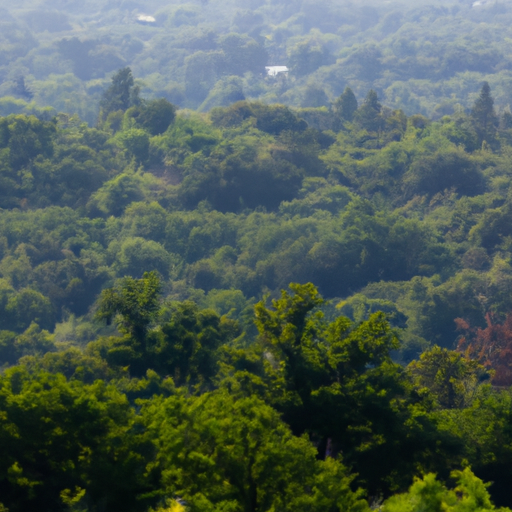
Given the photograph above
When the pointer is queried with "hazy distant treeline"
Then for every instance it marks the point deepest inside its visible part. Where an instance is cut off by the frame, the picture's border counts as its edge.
(424, 58)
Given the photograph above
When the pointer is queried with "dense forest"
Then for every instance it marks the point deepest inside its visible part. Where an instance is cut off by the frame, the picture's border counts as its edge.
(428, 57)
(223, 291)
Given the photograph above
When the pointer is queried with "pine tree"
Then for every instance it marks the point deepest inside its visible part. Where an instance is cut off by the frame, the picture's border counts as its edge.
(121, 95)
(368, 116)
(345, 106)
(484, 116)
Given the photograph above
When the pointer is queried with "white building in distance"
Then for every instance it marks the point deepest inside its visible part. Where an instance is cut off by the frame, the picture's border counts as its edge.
(275, 70)
(145, 19)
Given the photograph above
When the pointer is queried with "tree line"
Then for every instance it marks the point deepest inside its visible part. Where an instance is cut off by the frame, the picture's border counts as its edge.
(428, 58)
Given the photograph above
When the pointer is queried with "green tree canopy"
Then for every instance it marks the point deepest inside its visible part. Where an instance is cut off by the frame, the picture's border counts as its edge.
(65, 439)
(136, 301)
(430, 495)
(484, 116)
(345, 106)
(220, 453)
(155, 116)
(327, 371)
(121, 94)
(368, 115)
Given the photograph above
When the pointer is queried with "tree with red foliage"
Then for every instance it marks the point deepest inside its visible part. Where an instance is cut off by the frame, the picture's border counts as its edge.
(491, 346)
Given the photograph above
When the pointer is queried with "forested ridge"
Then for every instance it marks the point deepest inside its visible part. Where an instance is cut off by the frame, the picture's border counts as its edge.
(156, 356)
(257, 302)
(425, 57)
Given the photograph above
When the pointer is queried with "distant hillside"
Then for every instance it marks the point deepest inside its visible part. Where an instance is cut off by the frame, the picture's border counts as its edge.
(425, 57)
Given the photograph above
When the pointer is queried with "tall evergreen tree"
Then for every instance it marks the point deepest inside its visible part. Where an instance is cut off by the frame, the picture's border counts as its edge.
(121, 95)
(484, 116)
(368, 116)
(345, 106)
